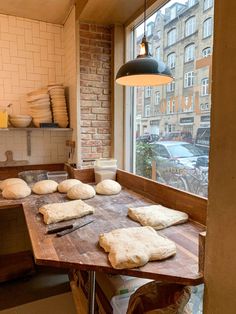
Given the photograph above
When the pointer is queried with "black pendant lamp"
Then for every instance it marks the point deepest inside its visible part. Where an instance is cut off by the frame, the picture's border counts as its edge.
(144, 70)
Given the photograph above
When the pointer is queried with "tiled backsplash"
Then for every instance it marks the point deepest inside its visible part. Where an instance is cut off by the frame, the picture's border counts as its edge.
(46, 146)
(31, 56)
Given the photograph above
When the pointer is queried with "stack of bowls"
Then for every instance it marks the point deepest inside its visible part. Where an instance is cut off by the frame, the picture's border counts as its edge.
(58, 100)
(20, 120)
(39, 103)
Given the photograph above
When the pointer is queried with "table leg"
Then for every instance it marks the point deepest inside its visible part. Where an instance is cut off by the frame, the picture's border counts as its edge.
(91, 292)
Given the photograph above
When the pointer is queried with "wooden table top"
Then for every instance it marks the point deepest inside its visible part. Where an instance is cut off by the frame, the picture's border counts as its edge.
(80, 249)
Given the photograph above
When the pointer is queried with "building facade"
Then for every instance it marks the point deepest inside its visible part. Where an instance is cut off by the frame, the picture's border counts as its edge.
(181, 36)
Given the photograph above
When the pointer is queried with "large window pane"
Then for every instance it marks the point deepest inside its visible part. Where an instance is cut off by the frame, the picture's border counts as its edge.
(172, 122)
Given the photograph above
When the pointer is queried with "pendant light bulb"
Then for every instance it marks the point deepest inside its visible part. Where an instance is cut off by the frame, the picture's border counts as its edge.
(144, 70)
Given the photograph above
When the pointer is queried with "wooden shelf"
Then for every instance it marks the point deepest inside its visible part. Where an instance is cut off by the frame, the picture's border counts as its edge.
(37, 129)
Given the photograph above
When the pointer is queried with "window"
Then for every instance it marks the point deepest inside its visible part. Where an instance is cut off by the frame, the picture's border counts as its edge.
(187, 106)
(207, 4)
(188, 79)
(173, 13)
(157, 98)
(181, 107)
(171, 37)
(158, 36)
(147, 92)
(207, 27)
(147, 112)
(189, 53)
(204, 107)
(171, 60)
(206, 52)
(204, 87)
(149, 29)
(191, 3)
(190, 26)
(158, 53)
(170, 87)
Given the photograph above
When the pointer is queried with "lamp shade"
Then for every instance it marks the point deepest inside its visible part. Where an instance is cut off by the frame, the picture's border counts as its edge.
(144, 71)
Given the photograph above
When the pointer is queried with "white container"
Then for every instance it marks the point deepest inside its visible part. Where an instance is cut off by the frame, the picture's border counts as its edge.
(120, 303)
(105, 168)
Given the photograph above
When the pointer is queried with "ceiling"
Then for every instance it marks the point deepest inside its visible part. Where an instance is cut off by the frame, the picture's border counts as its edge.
(56, 11)
(53, 11)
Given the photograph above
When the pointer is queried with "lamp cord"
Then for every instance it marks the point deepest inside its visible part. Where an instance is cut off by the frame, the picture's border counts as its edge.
(145, 7)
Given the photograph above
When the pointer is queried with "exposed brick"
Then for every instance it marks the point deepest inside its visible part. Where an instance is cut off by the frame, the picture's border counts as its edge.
(101, 110)
(101, 136)
(103, 117)
(86, 136)
(88, 116)
(91, 143)
(101, 123)
(88, 97)
(89, 130)
(83, 26)
(95, 90)
(91, 35)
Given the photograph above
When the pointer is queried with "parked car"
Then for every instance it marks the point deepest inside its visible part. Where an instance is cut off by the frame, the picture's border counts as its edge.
(178, 136)
(202, 139)
(148, 138)
(181, 165)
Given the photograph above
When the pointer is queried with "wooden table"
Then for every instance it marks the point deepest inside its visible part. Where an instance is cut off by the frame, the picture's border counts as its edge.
(80, 249)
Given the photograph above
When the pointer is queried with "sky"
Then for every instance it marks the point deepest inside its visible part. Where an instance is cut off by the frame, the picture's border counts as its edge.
(153, 16)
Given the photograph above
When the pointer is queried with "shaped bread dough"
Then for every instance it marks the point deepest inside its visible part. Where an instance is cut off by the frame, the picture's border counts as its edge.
(56, 212)
(10, 181)
(81, 191)
(16, 191)
(64, 186)
(45, 187)
(134, 247)
(108, 187)
(157, 216)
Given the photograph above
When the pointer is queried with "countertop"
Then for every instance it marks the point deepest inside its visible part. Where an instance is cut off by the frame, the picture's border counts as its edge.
(80, 249)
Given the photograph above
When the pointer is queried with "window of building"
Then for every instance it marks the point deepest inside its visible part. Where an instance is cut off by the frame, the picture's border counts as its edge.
(191, 3)
(158, 53)
(171, 37)
(207, 4)
(204, 87)
(173, 12)
(206, 52)
(188, 79)
(189, 53)
(147, 92)
(171, 60)
(207, 27)
(157, 98)
(147, 112)
(149, 29)
(178, 108)
(158, 36)
(190, 26)
(170, 87)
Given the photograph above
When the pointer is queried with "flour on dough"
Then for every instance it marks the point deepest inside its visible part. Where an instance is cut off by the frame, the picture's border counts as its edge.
(108, 187)
(157, 216)
(56, 212)
(136, 246)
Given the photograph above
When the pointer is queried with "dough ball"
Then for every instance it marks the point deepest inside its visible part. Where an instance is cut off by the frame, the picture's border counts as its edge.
(16, 191)
(81, 191)
(45, 187)
(7, 182)
(64, 186)
(108, 187)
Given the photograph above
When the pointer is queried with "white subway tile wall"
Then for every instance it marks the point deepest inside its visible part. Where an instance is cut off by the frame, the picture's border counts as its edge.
(46, 146)
(31, 56)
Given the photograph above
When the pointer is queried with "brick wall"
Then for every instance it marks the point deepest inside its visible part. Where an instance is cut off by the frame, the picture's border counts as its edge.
(95, 90)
